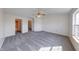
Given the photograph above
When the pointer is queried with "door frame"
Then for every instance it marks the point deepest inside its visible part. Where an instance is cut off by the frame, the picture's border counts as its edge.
(32, 24)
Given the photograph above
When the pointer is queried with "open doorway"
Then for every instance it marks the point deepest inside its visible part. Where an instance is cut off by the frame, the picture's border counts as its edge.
(29, 25)
(18, 26)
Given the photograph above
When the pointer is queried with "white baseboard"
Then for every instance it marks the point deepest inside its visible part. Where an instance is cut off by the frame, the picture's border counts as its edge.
(1, 41)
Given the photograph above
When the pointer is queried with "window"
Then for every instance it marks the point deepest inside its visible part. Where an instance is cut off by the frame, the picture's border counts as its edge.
(76, 25)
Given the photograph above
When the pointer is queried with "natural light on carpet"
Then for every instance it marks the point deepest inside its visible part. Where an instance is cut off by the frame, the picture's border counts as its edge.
(54, 48)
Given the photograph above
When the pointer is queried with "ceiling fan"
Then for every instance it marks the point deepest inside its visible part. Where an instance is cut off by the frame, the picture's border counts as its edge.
(40, 12)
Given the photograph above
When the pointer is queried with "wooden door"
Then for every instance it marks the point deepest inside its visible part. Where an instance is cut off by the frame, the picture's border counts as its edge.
(29, 25)
(18, 25)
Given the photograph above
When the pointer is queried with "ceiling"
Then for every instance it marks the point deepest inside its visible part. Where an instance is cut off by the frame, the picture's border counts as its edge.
(29, 12)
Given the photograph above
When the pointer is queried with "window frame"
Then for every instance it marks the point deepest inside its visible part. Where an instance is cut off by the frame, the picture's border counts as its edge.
(74, 24)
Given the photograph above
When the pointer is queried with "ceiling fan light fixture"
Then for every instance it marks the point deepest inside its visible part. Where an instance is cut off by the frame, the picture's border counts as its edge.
(40, 13)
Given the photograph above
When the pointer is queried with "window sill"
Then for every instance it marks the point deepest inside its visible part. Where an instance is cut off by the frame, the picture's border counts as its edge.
(75, 38)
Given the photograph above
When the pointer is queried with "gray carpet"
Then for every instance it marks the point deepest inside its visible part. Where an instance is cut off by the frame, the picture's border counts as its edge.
(37, 41)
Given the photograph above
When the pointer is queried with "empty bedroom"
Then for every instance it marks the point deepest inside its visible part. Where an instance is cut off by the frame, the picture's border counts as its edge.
(39, 29)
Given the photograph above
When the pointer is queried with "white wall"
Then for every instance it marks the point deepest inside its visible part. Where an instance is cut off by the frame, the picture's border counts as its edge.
(1, 28)
(52, 23)
(56, 24)
(1, 23)
(9, 24)
(38, 24)
(24, 25)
